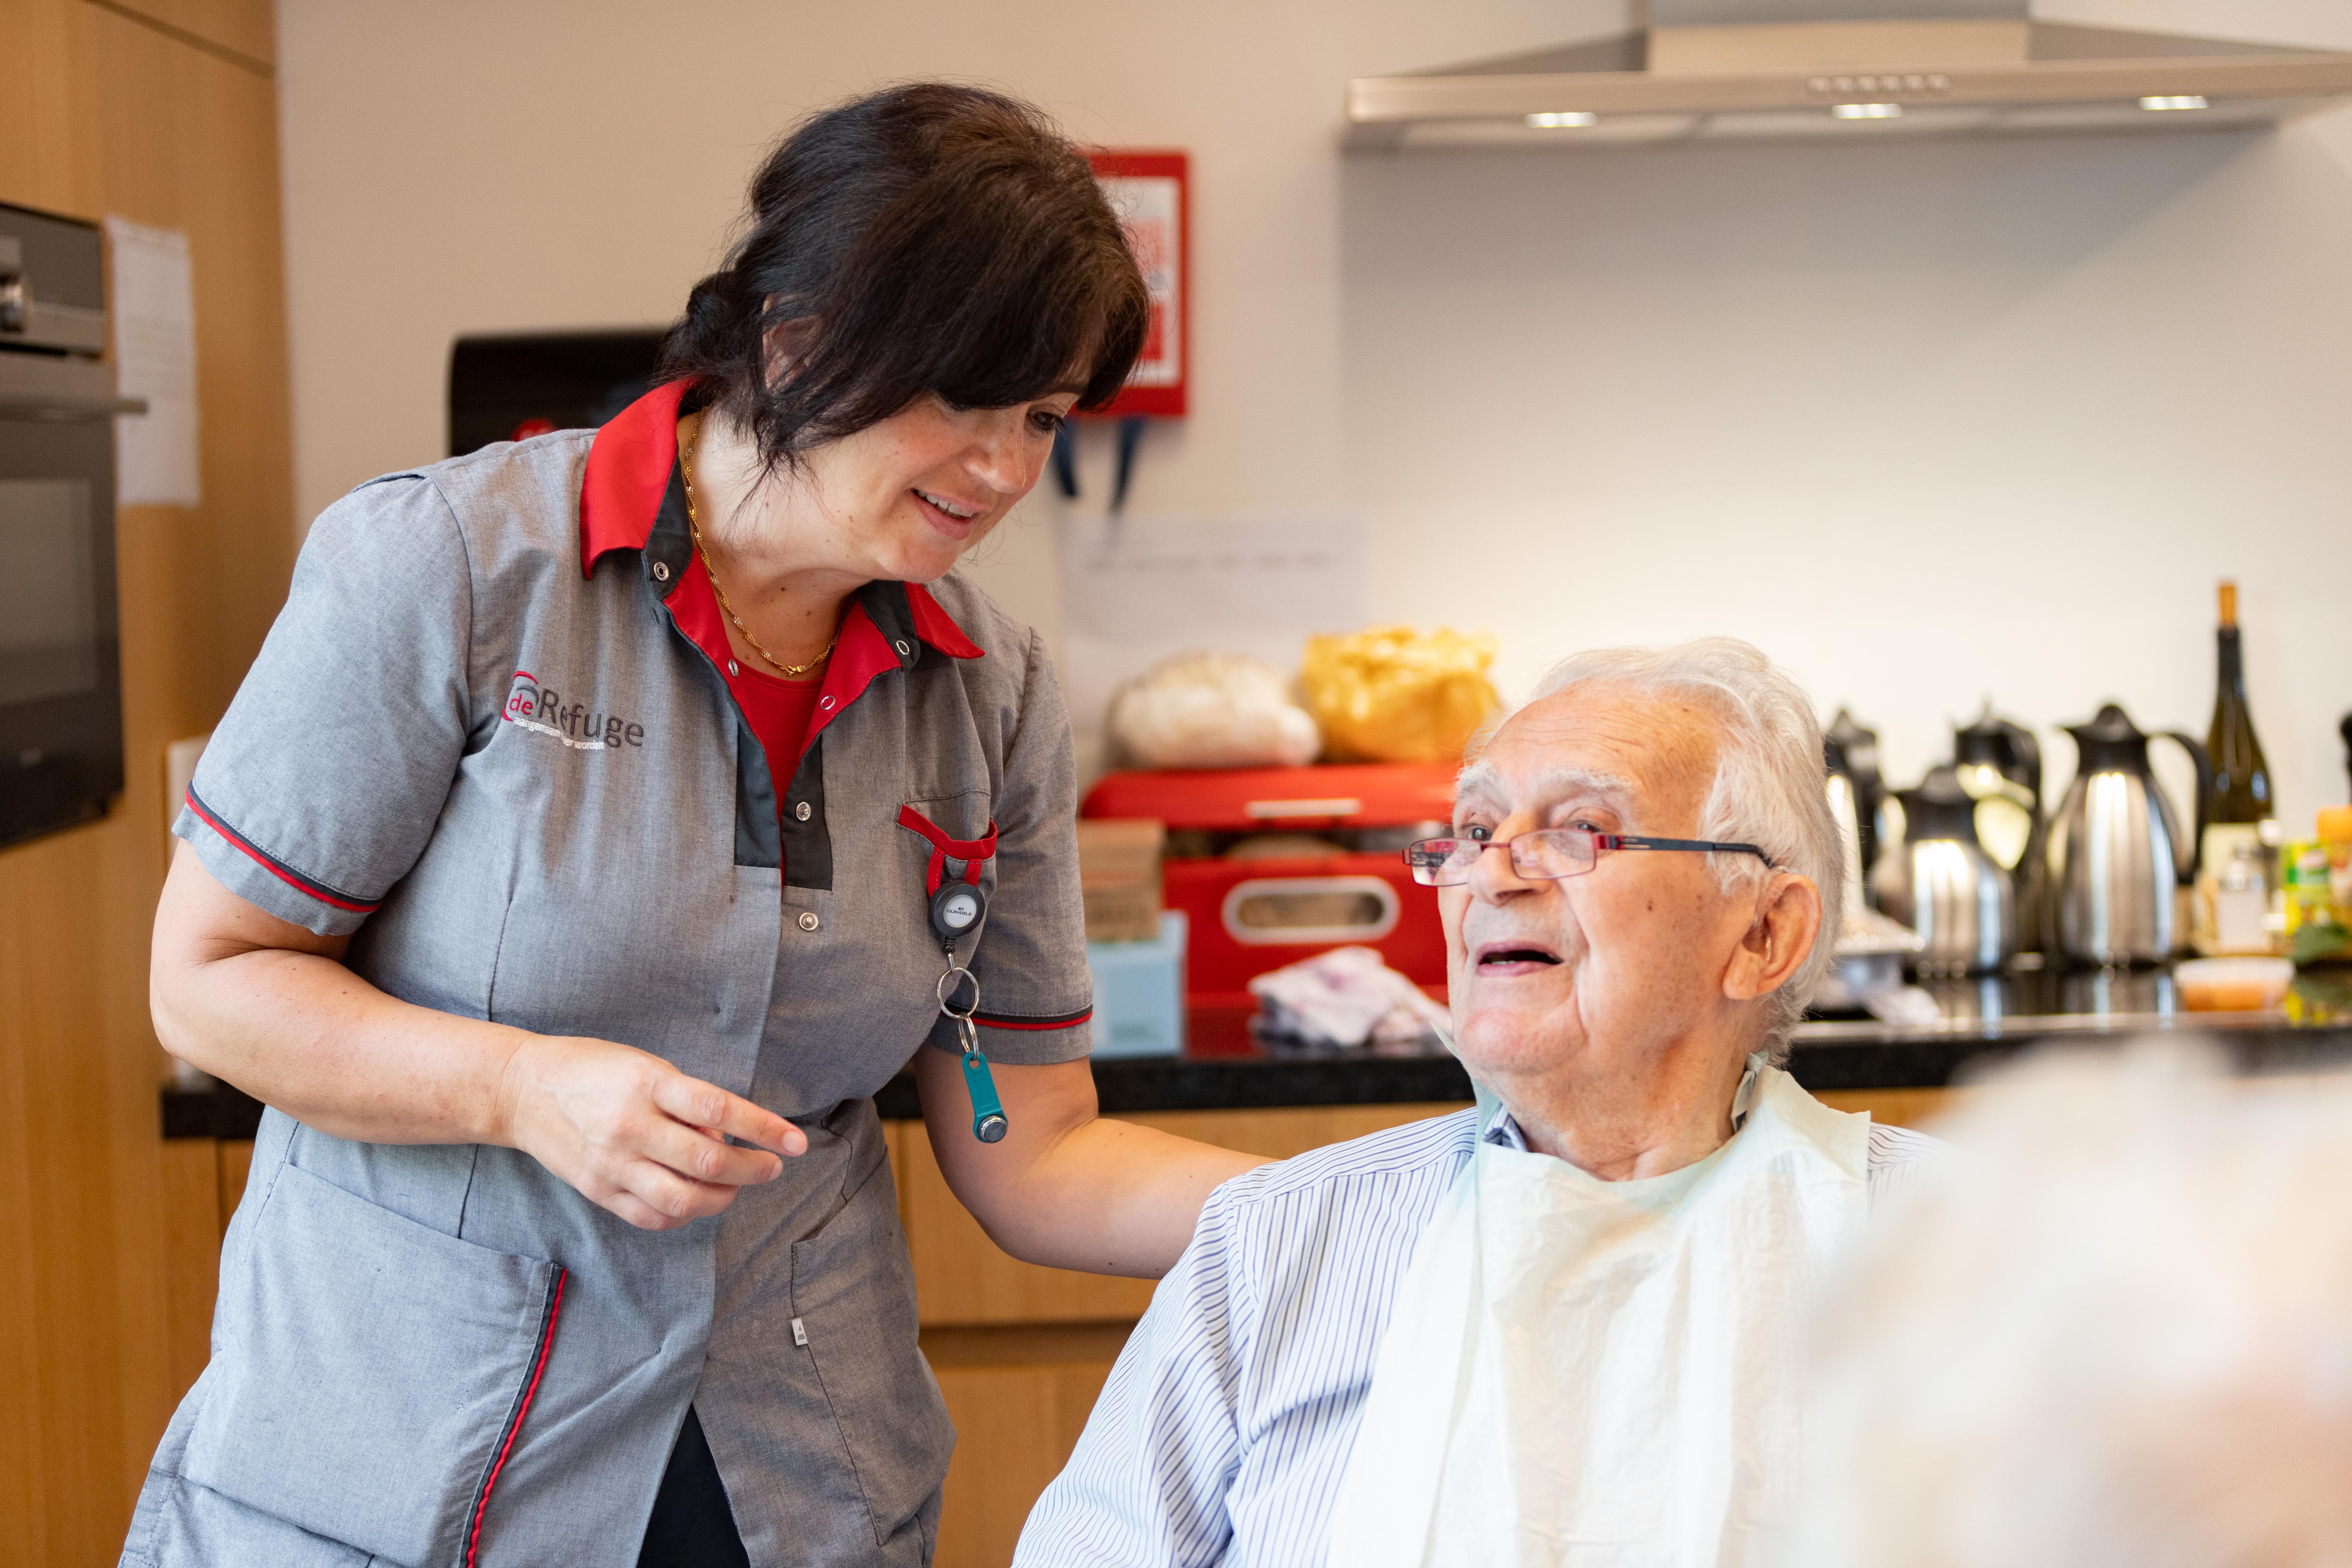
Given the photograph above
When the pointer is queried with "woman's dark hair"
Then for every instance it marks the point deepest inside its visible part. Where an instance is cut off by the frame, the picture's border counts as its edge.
(936, 239)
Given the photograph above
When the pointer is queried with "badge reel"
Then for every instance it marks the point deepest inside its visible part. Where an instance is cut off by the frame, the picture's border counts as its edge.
(956, 908)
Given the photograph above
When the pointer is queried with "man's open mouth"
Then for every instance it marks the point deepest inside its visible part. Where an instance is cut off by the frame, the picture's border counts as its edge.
(1513, 958)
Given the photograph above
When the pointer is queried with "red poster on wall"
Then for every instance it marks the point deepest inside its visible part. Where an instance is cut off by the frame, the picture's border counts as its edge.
(1150, 192)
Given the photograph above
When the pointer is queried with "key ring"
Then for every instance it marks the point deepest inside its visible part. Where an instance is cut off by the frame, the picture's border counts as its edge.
(989, 1124)
(950, 983)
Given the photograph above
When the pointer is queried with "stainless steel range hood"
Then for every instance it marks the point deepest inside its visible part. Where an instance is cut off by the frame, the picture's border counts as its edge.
(1843, 69)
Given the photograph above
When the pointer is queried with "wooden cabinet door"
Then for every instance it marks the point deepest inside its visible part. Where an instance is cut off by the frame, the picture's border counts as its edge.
(155, 111)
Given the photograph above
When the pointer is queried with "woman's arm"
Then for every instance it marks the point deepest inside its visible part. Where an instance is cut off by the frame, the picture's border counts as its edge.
(1065, 1188)
(268, 1007)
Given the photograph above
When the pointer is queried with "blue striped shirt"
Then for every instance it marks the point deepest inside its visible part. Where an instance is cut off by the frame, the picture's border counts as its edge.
(1226, 1425)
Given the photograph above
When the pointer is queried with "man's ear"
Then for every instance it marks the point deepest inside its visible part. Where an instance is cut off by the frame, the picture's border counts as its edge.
(1787, 922)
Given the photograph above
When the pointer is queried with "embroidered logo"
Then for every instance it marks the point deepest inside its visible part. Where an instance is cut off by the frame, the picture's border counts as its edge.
(543, 711)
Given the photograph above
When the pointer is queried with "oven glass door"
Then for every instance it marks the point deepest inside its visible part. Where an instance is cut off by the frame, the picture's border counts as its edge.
(60, 677)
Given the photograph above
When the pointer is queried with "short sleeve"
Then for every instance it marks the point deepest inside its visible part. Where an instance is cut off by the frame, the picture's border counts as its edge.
(323, 782)
(1036, 995)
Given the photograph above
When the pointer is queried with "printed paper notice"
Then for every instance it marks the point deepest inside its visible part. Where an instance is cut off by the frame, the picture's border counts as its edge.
(154, 358)
(1134, 593)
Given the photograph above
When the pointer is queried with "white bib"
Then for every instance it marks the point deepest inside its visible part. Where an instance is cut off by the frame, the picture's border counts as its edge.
(1594, 1373)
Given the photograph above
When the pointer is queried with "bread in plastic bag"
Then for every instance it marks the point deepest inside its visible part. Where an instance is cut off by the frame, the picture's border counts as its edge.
(1391, 694)
(1212, 711)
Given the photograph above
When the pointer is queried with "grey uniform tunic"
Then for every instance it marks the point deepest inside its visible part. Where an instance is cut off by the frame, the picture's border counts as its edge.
(480, 739)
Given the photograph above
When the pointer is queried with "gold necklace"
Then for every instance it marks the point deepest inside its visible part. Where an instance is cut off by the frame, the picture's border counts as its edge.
(694, 526)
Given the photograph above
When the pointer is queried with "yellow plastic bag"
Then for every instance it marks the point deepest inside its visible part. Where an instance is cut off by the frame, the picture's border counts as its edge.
(1391, 694)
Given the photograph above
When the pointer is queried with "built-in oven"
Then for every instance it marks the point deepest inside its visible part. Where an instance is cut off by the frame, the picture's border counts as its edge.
(60, 667)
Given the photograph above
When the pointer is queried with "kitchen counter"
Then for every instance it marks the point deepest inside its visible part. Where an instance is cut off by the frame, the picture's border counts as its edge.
(1226, 1066)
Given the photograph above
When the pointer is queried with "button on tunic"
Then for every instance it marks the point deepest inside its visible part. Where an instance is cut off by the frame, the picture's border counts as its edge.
(483, 740)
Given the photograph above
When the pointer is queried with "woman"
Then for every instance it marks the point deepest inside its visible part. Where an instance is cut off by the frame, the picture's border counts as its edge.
(563, 876)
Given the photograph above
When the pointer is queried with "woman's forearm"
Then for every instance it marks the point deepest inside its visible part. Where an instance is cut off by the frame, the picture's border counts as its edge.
(1067, 1188)
(1117, 1199)
(270, 1008)
(294, 1028)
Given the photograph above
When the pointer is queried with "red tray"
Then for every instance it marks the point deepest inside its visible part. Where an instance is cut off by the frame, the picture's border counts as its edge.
(1261, 800)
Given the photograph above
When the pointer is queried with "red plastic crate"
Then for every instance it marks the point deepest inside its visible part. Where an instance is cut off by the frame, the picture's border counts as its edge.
(1261, 800)
(1227, 901)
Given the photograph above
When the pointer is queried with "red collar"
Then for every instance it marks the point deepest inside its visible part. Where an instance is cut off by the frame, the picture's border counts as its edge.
(630, 465)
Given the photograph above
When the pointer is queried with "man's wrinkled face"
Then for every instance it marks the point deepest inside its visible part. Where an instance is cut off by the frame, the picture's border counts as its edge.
(1615, 964)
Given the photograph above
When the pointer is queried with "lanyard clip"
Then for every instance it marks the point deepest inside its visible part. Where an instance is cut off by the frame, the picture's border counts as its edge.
(989, 1124)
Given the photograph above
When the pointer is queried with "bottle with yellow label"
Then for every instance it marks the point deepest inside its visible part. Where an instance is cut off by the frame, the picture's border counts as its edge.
(2318, 887)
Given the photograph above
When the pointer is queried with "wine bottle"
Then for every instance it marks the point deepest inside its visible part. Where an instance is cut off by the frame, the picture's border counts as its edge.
(2242, 778)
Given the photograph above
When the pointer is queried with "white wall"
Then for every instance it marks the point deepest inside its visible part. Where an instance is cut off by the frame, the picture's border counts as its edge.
(1927, 422)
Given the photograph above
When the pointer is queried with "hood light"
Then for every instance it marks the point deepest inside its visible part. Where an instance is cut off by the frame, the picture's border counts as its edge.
(1867, 111)
(2181, 101)
(1573, 118)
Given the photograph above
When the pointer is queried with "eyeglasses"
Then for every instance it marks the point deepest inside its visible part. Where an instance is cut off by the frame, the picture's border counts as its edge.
(1548, 853)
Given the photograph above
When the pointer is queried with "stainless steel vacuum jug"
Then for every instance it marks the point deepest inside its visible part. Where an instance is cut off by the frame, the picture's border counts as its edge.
(1941, 883)
(2117, 853)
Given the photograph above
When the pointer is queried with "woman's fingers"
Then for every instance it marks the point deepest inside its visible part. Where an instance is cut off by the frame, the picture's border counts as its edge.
(637, 1211)
(673, 1197)
(639, 1137)
(700, 1104)
(698, 1156)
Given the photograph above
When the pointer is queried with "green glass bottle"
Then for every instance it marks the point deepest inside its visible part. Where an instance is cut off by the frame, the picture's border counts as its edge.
(2242, 777)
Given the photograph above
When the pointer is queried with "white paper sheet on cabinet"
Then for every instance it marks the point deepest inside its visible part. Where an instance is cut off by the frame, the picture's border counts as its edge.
(154, 358)
(1139, 589)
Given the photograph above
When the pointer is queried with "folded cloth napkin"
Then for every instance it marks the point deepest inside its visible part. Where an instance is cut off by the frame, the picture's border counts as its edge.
(1344, 997)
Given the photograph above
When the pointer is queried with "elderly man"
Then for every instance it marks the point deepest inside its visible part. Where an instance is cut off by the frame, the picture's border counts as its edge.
(1570, 1334)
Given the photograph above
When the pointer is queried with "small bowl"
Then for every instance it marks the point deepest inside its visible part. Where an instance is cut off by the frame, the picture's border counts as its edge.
(2233, 985)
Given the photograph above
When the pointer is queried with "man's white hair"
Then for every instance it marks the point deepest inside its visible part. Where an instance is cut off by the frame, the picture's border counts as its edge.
(1770, 783)
(2115, 1332)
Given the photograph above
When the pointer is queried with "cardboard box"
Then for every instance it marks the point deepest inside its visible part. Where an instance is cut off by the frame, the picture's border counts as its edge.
(1118, 876)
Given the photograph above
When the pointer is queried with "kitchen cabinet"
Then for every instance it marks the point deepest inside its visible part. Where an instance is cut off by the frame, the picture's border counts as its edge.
(164, 112)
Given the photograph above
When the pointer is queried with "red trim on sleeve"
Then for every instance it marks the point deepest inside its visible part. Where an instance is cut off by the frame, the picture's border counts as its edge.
(629, 465)
(539, 1367)
(1068, 1021)
(284, 873)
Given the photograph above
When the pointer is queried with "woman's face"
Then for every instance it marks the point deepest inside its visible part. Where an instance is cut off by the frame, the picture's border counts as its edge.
(904, 499)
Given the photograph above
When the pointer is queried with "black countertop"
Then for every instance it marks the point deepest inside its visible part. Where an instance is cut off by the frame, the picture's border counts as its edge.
(1224, 1066)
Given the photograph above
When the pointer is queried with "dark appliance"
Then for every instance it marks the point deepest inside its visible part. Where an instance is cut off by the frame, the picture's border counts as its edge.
(510, 386)
(60, 661)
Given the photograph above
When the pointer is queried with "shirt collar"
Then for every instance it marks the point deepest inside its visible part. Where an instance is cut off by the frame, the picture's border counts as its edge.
(1503, 1133)
(632, 486)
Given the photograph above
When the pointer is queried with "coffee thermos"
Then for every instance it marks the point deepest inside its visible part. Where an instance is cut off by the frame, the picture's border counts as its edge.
(2116, 854)
(1940, 883)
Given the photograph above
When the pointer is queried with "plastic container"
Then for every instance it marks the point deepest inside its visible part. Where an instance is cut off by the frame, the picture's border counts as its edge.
(2233, 985)
(1251, 913)
(1140, 993)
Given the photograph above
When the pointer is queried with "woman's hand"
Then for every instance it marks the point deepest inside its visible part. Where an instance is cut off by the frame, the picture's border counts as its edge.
(270, 1008)
(633, 1133)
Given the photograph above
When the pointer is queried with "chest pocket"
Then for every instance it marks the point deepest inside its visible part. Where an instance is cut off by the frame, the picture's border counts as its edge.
(947, 839)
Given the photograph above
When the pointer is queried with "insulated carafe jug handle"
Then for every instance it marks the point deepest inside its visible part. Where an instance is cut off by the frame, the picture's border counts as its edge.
(2184, 857)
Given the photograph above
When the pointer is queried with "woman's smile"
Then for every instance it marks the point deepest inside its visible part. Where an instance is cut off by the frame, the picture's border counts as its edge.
(954, 516)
